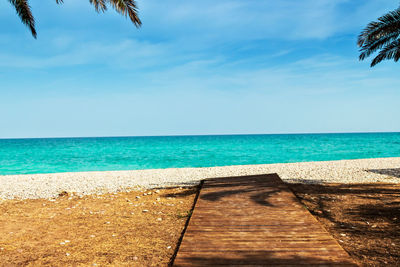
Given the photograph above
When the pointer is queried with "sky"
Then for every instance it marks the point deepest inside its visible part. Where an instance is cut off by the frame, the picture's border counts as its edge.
(194, 67)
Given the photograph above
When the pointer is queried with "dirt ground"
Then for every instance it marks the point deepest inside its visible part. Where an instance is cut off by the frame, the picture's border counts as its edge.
(364, 218)
(140, 228)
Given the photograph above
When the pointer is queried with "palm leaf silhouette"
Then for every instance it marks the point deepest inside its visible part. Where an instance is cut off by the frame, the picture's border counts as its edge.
(25, 14)
(127, 8)
(383, 36)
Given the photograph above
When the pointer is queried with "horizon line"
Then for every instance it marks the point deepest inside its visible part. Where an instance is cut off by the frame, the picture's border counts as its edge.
(188, 135)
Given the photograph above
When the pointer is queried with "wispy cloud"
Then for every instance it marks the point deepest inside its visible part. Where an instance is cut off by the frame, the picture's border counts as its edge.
(238, 20)
(131, 53)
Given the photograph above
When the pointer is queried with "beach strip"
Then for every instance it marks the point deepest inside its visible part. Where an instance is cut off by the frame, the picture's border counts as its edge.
(34, 186)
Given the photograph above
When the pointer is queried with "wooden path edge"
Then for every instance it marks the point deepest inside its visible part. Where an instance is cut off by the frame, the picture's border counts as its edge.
(171, 261)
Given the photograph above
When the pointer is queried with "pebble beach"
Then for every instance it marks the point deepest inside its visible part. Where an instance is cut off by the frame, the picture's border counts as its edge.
(36, 186)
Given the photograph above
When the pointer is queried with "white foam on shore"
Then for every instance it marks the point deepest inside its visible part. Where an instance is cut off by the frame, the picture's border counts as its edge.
(35, 186)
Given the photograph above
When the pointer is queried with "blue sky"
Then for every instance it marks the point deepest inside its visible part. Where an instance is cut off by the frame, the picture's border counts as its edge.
(195, 67)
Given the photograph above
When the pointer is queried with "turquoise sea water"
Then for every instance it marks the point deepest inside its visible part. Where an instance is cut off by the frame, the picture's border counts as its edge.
(48, 155)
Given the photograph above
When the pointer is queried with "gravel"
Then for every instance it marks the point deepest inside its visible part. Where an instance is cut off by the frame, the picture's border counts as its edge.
(35, 186)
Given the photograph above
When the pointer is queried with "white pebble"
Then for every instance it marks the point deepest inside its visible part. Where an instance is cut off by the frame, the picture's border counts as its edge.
(48, 186)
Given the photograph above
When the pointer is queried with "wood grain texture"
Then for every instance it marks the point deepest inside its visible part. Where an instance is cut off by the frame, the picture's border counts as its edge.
(255, 221)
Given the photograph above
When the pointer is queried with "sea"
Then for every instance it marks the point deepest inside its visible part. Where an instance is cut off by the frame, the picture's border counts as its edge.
(52, 155)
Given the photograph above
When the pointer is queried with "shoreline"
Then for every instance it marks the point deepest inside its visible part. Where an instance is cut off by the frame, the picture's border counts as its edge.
(50, 185)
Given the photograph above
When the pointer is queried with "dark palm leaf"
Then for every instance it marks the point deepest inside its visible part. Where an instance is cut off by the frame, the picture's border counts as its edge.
(25, 14)
(372, 46)
(391, 51)
(381, 35)
(99, 5)
(387, 23)
(124, 7)
(127, 8)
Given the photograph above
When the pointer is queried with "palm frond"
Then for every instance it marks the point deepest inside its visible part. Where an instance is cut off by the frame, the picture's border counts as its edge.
(371, 47)
(127, 8)
(99, 5)
(391, 51)
(25, 14)
(388, 23)
(382, 35)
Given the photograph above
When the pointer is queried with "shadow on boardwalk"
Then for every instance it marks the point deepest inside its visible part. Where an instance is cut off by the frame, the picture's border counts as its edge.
(259, 194)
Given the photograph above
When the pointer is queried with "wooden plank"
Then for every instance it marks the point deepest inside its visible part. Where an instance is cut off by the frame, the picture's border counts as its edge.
(255, 221)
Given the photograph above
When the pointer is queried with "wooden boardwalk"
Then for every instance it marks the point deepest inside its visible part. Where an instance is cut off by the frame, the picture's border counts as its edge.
(255, 220)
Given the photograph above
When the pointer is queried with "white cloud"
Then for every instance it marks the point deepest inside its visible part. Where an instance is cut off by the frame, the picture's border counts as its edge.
(128, 53)
(255, 19)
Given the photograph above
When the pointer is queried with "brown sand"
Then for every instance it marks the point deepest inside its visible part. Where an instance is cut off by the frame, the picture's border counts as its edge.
(121, 229)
